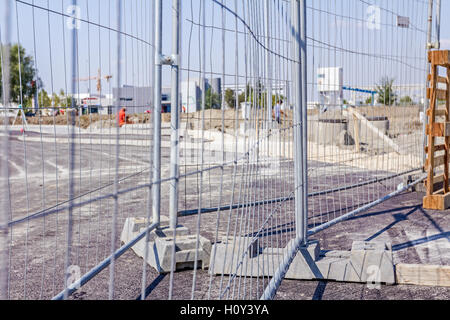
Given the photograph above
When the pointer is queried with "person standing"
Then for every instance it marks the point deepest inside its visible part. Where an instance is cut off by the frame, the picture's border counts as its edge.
(278, 112)
(122, 117)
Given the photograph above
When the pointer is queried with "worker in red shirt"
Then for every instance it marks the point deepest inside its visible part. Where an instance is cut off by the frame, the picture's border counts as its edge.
(122, 117)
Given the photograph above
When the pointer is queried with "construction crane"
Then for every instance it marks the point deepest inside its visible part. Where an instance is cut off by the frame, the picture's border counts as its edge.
(98, 77)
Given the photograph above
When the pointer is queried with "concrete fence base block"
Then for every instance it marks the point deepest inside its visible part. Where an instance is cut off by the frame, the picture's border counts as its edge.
(235, 255)
(160, 245)
(367, 262)
(371, 262)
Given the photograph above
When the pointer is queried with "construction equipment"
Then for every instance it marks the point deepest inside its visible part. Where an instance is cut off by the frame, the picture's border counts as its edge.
(99, 78)
(437, 186)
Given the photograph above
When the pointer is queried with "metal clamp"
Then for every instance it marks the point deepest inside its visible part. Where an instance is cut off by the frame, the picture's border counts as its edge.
(171, 60)
(433, 45)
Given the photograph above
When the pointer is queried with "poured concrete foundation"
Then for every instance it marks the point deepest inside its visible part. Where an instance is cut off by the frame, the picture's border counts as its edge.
(327, 131)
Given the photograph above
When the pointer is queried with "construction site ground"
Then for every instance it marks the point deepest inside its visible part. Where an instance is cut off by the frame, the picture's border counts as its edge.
(37, 257)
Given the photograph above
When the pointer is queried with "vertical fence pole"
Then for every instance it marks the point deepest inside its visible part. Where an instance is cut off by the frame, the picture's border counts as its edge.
(156, 189)
(71, 124)
(438, 24)
(268, 64)
(304, 107)
(4, 174)
(298, 116)
(426, 102)
(175, 116)
(117, 152)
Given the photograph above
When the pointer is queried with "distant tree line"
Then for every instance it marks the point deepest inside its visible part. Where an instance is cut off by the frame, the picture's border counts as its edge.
(24, 83)
(250, 94)
(387, 96)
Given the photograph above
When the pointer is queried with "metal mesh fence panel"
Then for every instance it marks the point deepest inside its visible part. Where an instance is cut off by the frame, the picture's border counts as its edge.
(172, 149)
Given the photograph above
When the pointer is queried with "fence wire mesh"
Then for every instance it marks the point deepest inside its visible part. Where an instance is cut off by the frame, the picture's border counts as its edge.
(83, 182)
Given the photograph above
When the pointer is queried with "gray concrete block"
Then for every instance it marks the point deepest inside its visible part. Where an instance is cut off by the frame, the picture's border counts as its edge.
(185, 252)
(160, 245)
(225, 262)
(333, 268)
(233, 253)
(243, 243)
(366, 262)
(371, 262)
(304, 265)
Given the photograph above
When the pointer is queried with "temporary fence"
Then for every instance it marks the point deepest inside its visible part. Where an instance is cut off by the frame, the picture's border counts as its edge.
(249, 126)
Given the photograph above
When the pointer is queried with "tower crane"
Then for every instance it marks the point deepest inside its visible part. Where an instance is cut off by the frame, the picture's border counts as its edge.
(98, 77)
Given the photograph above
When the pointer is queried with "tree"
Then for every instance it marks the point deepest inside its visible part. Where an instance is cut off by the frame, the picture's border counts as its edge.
(386, 94)
(369, 101)
(230, 98)
(28, 74)
(406, 100)
(57, 101)
(64, 102)
(44, 99)
(276, 98)
(212, 100)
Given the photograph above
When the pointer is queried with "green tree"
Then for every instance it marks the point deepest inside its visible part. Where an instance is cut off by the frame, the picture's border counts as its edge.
(212, 100)
(230, 98)
(406, 100)
(27, 78)
(277, 97)
(64, 102)
(44, 100)
(369, 101)
(386, 94)
(56, 100)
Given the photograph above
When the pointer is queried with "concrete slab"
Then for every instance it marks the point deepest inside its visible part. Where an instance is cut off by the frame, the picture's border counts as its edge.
(366, 262)
(371, 262)
(160, 245)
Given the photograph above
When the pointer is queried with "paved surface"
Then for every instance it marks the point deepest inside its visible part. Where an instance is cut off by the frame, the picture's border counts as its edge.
(38, 247)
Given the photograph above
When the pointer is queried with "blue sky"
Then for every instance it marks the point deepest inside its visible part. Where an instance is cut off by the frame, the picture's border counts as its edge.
(332, 24)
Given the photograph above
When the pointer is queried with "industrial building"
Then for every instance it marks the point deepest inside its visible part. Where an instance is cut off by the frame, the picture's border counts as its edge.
(191, 92)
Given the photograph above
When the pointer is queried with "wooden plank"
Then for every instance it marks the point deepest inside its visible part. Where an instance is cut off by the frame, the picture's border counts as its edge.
(429, 164)
(439, 129)
(439, 147)
(438, 183)
(440, 94)
(437, 179)
(439, 79)
(377, 131)
(423, 275)
(439, 57)
(438, 161)
(436, 201)
(447, 139)
(437, 112)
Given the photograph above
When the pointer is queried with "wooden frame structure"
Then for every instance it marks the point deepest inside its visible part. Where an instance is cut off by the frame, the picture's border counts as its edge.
(437, 185)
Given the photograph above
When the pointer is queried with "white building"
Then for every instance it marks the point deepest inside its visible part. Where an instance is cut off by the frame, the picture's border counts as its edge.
(330, 82)
(191, 92)
(96, 103)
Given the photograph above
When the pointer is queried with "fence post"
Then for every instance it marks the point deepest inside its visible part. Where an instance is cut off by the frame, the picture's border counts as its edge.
(438, 24)
(268, 73)
(304, 106)
(175, 116)
(426, 103)
(156, 189)
(4, 174)
(299, 53)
